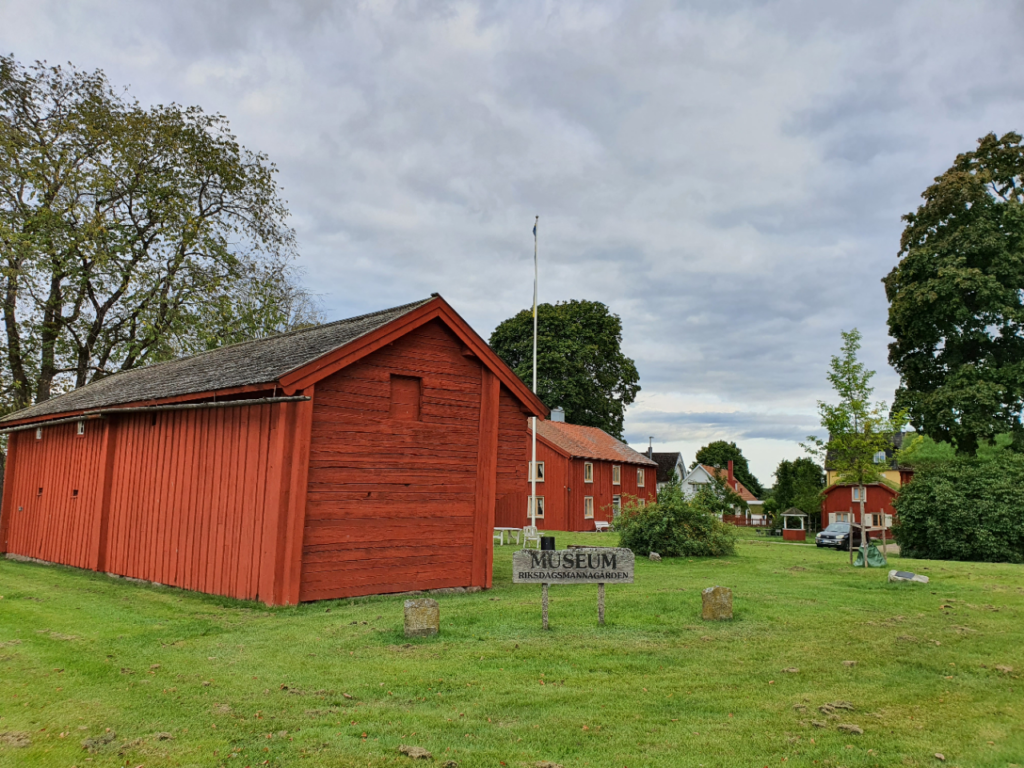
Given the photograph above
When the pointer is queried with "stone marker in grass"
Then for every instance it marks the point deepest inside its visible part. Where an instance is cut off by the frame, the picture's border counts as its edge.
(907, 576)
(717, 603)
(422, 617)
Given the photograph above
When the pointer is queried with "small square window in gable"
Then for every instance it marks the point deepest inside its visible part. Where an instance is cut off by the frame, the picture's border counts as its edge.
(405, 397)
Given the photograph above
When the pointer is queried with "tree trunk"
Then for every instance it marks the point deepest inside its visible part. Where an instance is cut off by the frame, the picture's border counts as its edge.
(863, 533)
(48, 335)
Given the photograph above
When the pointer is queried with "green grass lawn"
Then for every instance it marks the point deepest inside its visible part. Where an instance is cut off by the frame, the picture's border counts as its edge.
(337, 683)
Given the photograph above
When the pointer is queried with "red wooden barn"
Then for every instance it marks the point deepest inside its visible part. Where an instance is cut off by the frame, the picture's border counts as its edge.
(584, 474)
(359, 457)
(842, 504)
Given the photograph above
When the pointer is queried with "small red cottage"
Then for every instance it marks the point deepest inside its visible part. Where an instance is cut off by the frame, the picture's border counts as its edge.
(842, 504)
(584, 475)
(359, 457)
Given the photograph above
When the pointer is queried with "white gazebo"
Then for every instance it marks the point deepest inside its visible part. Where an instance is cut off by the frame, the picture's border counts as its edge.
(791, 532)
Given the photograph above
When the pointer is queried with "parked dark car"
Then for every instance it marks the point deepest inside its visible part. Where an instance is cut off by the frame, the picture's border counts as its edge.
(837, 535)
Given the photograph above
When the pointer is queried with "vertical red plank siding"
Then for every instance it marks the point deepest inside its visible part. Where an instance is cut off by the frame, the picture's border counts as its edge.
(295, 528)
(513, 463)
(56, 526)
(486, 479)
(6, 505)
(101, 513)
(176, 502)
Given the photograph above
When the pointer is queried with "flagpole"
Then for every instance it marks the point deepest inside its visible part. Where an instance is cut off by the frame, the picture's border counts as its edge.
(533, 459)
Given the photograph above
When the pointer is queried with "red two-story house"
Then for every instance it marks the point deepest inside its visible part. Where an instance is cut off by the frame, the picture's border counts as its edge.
(584, 475)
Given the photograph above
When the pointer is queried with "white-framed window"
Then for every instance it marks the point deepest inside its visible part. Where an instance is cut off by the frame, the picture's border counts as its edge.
(857, 493)
(39, 433)
(540, 471)
(616, 505)
(539, 502)
(81, 427)
(616, 475)
(588, 472)
(588, 507)
(880, 457)
(842, 517)
(876, 520)
(640, 477)
(641, 503)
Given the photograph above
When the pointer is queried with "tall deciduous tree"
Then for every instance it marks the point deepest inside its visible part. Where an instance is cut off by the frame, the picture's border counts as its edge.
(719, 453)
(858, 428)
(580, 364)
(128, 235)
(956, 300)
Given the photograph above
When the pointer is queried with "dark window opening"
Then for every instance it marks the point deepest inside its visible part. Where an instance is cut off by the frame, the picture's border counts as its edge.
(152, 422)
(74, 493)
(39, 492)
(405, 398)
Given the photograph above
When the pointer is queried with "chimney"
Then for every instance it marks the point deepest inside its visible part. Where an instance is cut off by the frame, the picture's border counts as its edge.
(558, 414)
(732, 477)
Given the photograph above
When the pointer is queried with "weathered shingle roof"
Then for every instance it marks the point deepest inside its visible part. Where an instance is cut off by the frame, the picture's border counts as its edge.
(249, 362)
(589, 443)
(667, 463)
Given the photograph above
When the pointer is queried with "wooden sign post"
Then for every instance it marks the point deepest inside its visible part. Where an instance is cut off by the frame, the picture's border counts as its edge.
(585, 565)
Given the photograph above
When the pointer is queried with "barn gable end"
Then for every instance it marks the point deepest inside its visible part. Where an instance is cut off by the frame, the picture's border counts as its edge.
(391, 503)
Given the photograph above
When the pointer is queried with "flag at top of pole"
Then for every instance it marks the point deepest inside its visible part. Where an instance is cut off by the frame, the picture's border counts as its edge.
(533, 455)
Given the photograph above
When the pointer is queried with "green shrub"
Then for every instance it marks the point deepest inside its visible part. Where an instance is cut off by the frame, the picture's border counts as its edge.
(964, 509)
(674, 527)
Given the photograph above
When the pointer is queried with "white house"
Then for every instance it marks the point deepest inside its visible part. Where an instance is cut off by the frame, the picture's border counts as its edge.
(703, 474)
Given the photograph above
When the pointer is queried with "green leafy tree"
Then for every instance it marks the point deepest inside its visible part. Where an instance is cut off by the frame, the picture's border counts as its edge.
(921, 451)
(674, 527)
(965, 508)
(128, 235)
(858, 428)
(956, 300)
(798, 483)
(719, 453)
(580, 364)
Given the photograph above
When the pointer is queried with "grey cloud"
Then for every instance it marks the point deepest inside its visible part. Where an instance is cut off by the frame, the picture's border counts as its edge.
(708, 426)
(727, 176)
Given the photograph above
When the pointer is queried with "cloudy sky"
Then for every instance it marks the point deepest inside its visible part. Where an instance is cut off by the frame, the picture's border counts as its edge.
(727, 176)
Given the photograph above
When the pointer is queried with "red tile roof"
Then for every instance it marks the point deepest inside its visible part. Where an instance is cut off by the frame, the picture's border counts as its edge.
(589, 443)
(740, 488)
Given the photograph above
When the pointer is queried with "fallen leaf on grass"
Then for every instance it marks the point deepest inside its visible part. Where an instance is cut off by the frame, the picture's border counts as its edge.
(849, 663)
(546, 764)
(792, 670)
(1004, 668)
(941, 757)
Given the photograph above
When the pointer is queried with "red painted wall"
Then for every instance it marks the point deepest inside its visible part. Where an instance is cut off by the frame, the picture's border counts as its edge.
(840, 499)
(54, 525)
(563, 490)
(189, 498)
(393, 503)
